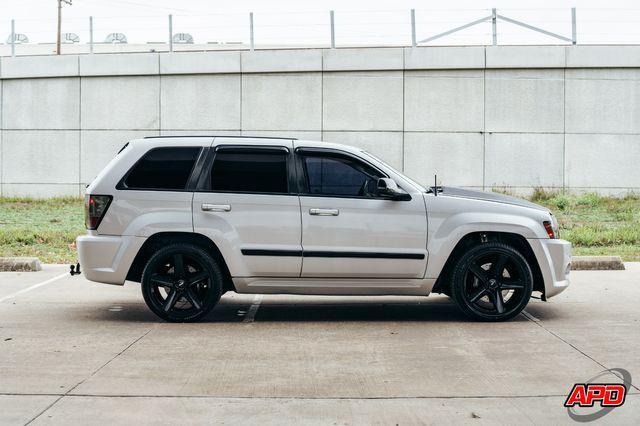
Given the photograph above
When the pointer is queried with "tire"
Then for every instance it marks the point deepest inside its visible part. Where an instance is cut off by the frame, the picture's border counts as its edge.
(492, 282)
(181, 283)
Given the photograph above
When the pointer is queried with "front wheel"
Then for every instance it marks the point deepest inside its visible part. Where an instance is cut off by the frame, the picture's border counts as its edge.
(181, 283)
(492, 282)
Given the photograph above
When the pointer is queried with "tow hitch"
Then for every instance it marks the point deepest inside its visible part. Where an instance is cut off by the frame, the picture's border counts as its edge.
(74, 269)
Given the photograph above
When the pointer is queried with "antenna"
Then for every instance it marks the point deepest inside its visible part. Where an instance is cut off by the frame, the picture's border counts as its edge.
(435, 188)
(435, 185)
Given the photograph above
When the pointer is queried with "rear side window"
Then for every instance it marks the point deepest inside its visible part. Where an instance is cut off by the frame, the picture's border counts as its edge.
(250, 171)
(163, 168)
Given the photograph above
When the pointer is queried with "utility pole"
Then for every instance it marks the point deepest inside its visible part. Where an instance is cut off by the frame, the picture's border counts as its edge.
(60, 23)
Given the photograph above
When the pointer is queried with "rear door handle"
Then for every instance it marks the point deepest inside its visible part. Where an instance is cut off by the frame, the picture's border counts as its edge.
(215, 207)
(324, 212)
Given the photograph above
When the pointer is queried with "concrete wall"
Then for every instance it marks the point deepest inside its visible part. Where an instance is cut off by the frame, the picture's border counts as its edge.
(506, 116)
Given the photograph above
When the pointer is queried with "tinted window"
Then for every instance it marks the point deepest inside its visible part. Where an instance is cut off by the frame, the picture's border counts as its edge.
(250, 171)
(163, 168)
(334, 175)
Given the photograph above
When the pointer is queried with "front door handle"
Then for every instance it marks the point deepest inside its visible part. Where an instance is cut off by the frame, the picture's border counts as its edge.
(215, 207)
(324, 212)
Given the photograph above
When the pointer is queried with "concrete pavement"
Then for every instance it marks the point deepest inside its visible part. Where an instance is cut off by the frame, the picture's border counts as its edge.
(77, 352)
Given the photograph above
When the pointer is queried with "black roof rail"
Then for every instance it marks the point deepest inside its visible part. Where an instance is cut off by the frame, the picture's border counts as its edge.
(218, 136)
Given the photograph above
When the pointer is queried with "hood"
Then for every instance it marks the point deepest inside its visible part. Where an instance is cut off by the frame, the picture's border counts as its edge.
(488, 196)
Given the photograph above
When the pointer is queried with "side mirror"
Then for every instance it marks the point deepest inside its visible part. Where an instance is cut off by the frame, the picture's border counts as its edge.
(388, 188)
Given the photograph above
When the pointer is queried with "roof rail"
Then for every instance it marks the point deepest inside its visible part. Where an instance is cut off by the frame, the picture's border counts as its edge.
(218, 136)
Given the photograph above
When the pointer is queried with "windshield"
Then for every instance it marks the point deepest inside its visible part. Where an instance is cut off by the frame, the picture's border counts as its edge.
(384, 163)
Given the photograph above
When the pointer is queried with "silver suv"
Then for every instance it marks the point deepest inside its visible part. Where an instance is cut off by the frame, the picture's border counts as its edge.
(193, 217)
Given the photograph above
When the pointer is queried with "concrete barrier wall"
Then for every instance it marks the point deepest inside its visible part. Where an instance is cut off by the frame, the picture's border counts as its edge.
(506, 116)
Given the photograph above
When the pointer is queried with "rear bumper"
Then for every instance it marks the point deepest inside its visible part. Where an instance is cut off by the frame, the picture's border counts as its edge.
(107, 258)
(554, 258)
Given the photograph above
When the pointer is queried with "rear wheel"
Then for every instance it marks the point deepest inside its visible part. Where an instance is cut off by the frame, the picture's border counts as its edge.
(492, 282)
(181, 283)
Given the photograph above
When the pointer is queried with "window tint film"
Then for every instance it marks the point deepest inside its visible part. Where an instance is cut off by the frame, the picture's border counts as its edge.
(163, 168)
(334, 175)
(250, 171)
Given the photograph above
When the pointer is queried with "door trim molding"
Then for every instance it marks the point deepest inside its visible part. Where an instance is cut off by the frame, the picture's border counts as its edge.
(363, 255)
(259, 252)
(334, 254)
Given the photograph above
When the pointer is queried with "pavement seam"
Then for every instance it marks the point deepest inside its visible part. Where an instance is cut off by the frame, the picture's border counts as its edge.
(537, 322)
(60, 396)
(310, 398)
(530, 317)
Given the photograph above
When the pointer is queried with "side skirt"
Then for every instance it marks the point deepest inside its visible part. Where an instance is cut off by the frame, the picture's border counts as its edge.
(334, 286)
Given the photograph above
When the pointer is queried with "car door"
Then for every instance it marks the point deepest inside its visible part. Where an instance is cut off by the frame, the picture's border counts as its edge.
(244, 205)
(350, 231)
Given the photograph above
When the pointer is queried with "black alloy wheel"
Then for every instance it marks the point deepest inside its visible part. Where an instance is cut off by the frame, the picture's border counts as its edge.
(181, 283)
(492, 282)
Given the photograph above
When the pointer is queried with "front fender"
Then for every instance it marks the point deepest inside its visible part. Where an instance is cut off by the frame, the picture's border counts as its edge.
(452, 219)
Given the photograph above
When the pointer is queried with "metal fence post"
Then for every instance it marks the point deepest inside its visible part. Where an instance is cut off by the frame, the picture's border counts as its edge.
(494, 29)
(251, 30)
(413, 28)
(90, 34)
(13, 37)
(170, 33)
(333, 29)
(574, 38)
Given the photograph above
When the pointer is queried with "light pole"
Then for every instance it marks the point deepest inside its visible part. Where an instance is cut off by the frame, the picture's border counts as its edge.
(60, 23)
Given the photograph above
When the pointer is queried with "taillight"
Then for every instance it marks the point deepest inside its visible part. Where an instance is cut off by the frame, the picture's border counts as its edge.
(95, 206)
(549, 228)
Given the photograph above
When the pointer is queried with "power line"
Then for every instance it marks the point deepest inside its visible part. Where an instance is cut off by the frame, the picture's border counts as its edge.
(149, 6)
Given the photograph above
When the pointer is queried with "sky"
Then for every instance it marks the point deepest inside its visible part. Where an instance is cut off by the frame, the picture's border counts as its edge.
(357, 22)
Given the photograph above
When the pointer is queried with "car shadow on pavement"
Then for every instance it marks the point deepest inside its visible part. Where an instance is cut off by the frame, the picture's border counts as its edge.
(539, 311)
(227, 311)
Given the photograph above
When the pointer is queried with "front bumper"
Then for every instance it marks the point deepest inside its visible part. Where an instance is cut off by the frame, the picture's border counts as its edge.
(554, 259)
(107, 258)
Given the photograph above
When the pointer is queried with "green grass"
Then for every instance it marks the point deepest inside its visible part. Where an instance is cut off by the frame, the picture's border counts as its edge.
(595, 225)
(43, 228)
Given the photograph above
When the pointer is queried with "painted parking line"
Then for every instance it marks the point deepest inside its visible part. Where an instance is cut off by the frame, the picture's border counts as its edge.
(253, 309)
(33, 287)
